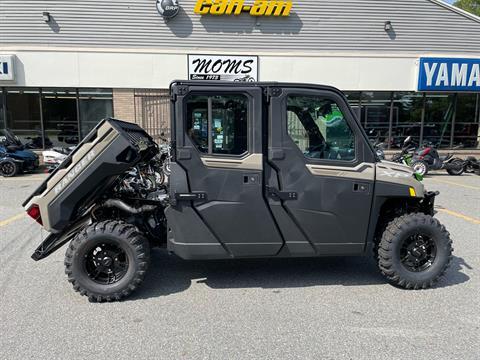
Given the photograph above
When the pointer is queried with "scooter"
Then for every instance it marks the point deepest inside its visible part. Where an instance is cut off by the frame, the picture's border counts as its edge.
(427, 158)
(14, 158)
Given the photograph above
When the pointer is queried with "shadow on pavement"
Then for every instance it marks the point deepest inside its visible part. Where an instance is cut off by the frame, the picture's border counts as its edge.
(169, 274)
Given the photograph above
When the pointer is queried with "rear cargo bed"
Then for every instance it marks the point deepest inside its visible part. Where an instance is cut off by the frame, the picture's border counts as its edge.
(110, 149)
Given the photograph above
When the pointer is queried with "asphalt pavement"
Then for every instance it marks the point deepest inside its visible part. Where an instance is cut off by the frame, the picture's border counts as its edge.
(324, 308)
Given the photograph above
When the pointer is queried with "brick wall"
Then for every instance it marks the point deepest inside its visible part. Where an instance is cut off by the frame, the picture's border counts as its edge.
(124, 104)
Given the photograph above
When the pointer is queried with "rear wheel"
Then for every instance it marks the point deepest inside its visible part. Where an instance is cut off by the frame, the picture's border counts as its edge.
(456, 167)
(107, 261)
(420, 167)
(8, 168)
(414, 251)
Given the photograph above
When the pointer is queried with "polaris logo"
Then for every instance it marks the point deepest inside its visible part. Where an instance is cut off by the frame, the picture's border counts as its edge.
(74, 172)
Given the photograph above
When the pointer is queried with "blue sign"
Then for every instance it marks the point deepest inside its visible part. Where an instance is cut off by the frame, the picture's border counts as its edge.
(449, 74)
(6, 67)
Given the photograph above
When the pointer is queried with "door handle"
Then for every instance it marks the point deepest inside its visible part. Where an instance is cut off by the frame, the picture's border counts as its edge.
(281, 195)
(361, 187)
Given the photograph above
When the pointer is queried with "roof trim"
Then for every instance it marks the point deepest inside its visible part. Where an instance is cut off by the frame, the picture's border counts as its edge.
(457, 10)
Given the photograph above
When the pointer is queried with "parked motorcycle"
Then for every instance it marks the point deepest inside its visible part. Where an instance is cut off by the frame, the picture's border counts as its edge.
(406, 154)
(472, 165)
(37, 143)
(14, 158)
(427, 158)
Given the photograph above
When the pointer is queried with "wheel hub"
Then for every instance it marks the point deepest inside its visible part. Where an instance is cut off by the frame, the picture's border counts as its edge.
(418, 252)
(106, 263)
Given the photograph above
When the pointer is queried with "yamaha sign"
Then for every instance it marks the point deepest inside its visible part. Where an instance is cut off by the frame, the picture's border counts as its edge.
(449, 74)
(168, 8)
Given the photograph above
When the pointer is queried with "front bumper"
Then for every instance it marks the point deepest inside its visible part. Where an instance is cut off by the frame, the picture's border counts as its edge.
(428, 202)
(30, 165)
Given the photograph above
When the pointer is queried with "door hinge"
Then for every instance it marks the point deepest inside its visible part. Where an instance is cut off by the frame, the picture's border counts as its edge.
(281, 195)
(272, 92)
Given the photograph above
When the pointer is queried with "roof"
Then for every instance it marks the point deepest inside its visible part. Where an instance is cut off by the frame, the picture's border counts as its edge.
(457, 10)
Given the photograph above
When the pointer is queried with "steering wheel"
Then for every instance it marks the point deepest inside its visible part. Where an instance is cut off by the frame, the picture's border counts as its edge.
(317, 151)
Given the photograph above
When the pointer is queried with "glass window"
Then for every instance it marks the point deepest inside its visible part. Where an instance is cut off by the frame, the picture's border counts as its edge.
(439, 109)
(407, 117)
(94, 105)
(197, 121)
(353, 98)
(376, 115)
(60, 117)
(23, 115)
(2, 110)
(319, 129)
(466, 132)
(229, 123)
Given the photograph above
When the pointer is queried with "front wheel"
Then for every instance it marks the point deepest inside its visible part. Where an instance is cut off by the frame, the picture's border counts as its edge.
(107, 261)
(420, 167)
(456, 167)
(9, 168)
(414, 251)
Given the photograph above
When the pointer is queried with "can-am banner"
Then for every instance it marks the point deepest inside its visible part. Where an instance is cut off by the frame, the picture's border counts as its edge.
(449, 74)
(223, 67)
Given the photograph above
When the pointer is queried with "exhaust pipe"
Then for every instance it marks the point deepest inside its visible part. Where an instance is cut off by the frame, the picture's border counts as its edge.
(119, 204)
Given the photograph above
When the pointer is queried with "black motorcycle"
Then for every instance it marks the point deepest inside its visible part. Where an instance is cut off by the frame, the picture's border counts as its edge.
(472, 165)
(37, 143)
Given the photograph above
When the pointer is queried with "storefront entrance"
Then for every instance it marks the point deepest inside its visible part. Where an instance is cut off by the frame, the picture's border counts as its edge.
(46, 117)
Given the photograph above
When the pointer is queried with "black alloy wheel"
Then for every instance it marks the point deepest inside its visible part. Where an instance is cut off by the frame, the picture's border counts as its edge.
(8, 168)
(418, 252)
(106, 263)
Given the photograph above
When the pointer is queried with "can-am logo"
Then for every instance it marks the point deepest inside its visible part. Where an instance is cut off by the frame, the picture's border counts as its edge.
(223, 67)
(168, 8)
(74, 172)
(237, 7)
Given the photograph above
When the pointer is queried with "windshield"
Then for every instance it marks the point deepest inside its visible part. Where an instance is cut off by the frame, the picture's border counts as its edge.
(9, 138)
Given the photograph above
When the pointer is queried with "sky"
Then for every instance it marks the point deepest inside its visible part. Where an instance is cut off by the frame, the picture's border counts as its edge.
(449, 1)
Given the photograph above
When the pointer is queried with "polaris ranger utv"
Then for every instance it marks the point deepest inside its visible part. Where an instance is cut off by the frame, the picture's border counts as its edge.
(257, 170)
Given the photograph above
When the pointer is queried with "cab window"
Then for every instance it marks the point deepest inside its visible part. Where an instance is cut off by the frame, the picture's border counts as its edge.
(319, 129)
(218, 124)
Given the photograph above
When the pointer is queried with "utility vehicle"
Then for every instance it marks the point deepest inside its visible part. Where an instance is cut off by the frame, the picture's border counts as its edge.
(257, 170)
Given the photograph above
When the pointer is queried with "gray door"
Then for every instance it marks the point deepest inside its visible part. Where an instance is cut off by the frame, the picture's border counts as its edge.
(219, 147)
(322, 176)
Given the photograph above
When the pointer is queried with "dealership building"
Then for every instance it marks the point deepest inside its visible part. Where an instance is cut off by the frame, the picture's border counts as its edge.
(408, 67)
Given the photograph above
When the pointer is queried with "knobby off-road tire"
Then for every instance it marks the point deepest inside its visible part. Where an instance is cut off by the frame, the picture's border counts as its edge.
(107, 261)
(415, 232)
